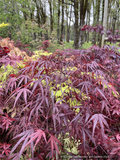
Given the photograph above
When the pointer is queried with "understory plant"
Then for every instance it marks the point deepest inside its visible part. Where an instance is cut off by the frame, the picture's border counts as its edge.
(23, 47)
(63, 105)
(45, 45)
(112, 38)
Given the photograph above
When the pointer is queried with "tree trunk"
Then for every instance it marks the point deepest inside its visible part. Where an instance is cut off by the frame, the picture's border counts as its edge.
(9, 33)
(76, 27)
(13, 8)
(83, 9)
(23, 5)
(38, 13)
(118, 13)
(68, 23)
(58, 29)
(102, 12)
(98, 15)
(94, 24)
(105, 21)
(62, 24)
(17, 26)
(100, 42)
(51, 16)
(88, 21)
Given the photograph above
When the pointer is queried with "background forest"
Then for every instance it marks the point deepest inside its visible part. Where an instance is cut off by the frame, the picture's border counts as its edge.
(33, 21)
(59, 83)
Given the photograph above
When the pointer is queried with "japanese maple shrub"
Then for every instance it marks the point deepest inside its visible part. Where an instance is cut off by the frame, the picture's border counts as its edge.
(45, 45)
(69, 94)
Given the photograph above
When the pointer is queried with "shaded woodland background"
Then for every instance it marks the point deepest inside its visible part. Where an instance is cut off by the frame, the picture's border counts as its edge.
(32, 21)
(56, 101)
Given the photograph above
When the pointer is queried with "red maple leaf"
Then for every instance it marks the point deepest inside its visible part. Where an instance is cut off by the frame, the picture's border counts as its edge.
(36, 136)
(118, 137)
(5, 148)
(53, 141)
(7, 121)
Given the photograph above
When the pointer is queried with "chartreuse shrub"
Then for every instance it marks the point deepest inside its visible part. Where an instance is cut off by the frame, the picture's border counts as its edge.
(6, 71)
(3, 29)
(39, 53)
(10, 70)
(62, 105)
(4, 24)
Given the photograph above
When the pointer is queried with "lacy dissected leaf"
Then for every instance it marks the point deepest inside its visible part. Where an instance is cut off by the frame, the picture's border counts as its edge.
(105, 105)
(53, 142)
(5, 148)
(85, 87)
(11, 84)
(16, 61)
(23, 80)
(70, 91)
(101, 93)
(37, 84)
(37, 135)
(98, 119)
(6, 121)
(92, 66)
(18, 92)
(24, 138)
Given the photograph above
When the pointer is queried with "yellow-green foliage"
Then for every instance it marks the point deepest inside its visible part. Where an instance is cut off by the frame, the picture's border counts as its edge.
(106, 83)
(6, 71)
(4, 25)
(20, 64)
(63, 89)
(9, 69)
(70, 144)
(70, 68)
(39, 53)
(42, 53)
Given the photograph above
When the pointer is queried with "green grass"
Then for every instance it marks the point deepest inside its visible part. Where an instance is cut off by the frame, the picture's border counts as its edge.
(69, 45)
(53, 46)
(87, 45)
(66, 45)
(113, 44)
(63, 46)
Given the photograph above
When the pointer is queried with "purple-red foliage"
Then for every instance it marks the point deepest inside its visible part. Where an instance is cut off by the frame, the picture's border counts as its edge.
(22, 47)
(100, 29)
(97, 28)
(40, 121)
(4, 51)
(45, 45)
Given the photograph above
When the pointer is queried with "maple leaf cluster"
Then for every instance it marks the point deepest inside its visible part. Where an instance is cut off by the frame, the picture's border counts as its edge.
(45, 45)
(4, 51)
(73, 93)
(100, 29)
